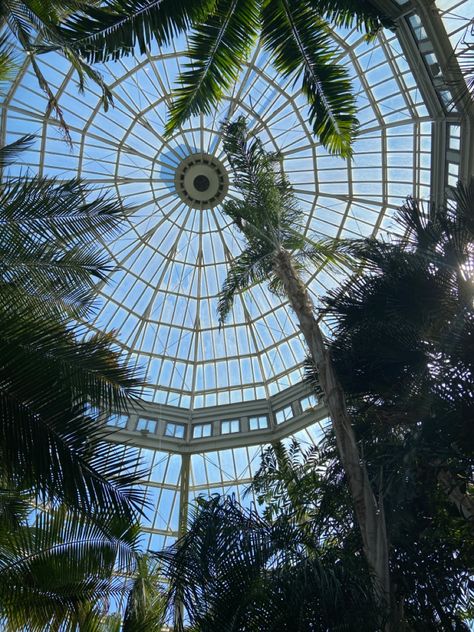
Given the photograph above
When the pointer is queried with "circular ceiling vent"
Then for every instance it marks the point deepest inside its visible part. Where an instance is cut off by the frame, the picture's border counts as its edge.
(201, 181)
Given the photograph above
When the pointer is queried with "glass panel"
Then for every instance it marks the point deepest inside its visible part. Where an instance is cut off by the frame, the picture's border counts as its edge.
(258, 423)
(119, 421)
(230, 426)
(202, 430)
(174, 430)
(308, 402)
(148, 425)
(284, 414)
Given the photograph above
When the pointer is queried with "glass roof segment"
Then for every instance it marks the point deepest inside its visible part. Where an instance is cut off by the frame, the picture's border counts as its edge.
(457, 16)
(172, 259)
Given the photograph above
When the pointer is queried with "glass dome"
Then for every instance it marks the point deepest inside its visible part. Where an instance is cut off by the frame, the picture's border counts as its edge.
(214, 395)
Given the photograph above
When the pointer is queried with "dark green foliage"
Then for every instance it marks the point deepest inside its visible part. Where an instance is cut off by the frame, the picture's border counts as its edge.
(145, 607)
(117, 27)
(403, 350)
(214, 48)
(222, 34)
(52, 372)
(236, 571)
(302, 49)
(68, 499)
(59, 570)
(420, 293)
(49, 252)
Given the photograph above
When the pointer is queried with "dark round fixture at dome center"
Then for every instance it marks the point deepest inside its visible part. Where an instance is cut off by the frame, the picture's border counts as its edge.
(201, 183)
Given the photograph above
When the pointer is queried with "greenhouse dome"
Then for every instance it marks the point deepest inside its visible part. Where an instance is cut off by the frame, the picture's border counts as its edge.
(215, 394)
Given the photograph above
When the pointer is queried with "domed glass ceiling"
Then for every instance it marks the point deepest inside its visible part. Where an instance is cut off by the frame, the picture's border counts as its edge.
(172, 256)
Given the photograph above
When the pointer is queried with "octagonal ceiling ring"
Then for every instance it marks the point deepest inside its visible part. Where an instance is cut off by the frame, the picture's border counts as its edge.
(201, 181)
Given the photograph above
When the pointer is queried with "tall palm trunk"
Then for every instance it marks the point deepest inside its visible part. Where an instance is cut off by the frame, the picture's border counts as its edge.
(369, 511)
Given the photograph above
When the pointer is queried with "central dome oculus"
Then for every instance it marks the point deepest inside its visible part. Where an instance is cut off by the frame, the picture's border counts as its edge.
(201, 181)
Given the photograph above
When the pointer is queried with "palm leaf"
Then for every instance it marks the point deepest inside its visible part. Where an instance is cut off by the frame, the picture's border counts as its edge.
(84, 70)
(118, 27)
(363, 14)
(301, 47)
(235, 571)
(60, 569)
(325, 252)
(48, 439)
(14, 509)
(146, 603)
(258, 177)
(217, 49)
(9, 153)
(248, 268)
(49, 248)
(7, 62)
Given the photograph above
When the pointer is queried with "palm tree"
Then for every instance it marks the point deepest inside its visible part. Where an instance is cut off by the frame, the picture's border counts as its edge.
(145, 609)
(267, 216)
(403, 348)
(293, 32)
(415, 305)
(54, 376)
(234, 570)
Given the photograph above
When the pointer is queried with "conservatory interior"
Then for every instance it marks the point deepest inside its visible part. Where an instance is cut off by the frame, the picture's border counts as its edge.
(225, 411)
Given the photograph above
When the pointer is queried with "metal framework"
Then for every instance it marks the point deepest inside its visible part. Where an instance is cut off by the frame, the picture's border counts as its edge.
(213, 397)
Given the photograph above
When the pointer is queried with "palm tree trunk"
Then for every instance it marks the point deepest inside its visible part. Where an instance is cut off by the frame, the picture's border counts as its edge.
(369, 511)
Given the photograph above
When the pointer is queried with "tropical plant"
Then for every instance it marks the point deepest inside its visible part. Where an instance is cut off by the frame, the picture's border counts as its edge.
(59, 571)
(68, 500)
(416, 304)
(267, 215)
(235, 571)
(402, 347)
(53, 374)
(145, 608)
(223, 32)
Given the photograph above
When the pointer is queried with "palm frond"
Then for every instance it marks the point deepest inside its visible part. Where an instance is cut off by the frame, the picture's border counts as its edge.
(49, 245)
(267, 201)
(363, 14)
(464, 197)
(36, 26)
(287, 483)
(234, 570)
(60, 569)
(7, 60)
(224, 546)
(53, 103)
(325, 252)
(217, 49)
(118, 27)
(248, 268)
(84, 70)
(49, 439)
(146, 603)
(300, 44)
(256, 171)
(9, 153)
(14, 509)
